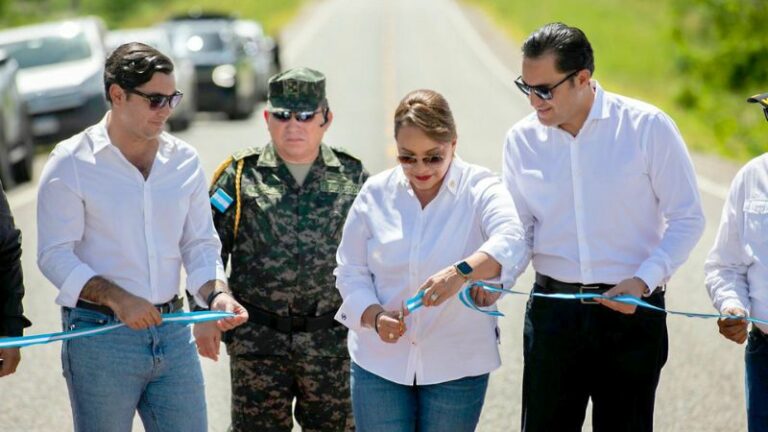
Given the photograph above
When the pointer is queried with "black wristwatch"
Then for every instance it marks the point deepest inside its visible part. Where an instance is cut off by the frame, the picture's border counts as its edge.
(215, 293)
(464, 269)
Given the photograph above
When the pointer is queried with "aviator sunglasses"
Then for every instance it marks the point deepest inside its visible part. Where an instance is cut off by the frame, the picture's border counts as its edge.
(542, 91)
(300, 116)
(158, 101)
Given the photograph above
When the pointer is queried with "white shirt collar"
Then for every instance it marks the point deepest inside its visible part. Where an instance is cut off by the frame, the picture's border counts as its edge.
(100, 138)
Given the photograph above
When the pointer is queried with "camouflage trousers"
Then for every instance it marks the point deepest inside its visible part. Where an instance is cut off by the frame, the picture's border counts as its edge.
(264, 387)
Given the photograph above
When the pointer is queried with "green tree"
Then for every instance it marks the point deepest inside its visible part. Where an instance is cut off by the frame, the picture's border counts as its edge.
(723, 42)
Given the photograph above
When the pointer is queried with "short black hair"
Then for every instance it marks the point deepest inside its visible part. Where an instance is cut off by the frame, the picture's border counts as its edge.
(570, 46)
(133, 64)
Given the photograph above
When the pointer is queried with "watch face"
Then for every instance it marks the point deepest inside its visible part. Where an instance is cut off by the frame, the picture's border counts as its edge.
(464, 268)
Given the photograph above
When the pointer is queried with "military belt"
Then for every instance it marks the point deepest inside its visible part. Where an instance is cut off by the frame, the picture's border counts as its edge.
(290, 323)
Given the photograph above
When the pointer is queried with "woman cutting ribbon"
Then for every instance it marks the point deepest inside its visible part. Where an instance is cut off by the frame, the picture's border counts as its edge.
(431, 224)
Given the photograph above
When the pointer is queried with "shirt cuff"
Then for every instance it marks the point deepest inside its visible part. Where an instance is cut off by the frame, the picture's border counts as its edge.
(351, 311)
(508, 258)
(651, 274)
(199, 277)
(69, 291)
(732, 302)
(14, 326)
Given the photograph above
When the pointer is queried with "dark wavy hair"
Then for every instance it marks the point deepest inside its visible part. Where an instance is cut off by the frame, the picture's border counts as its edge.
(133, 64)
(570, 46)
(428, 111)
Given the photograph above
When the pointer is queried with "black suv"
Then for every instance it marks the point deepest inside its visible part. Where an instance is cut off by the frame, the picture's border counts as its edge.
(225, 74)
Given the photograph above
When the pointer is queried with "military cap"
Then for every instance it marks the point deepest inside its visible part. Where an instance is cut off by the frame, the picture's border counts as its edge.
(298, 89)
(762, 99)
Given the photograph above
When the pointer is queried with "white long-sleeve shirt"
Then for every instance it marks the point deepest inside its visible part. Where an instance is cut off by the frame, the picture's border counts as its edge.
(390, 246)
(737, 266)
(97, 215)
(617, 200)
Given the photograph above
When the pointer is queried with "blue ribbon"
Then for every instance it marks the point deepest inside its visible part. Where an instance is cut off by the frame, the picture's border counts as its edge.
(179, 317)
(415, 302)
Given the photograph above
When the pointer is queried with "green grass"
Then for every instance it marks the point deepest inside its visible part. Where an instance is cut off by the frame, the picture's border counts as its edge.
(635, 55)
(272, 14)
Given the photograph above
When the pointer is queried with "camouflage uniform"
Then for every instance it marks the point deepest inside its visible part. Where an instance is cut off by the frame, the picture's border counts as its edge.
(282, 259)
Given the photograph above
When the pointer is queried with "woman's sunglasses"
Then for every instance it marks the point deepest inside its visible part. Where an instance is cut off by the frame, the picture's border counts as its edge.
(428, 161)
(300, 116)
(158, 101)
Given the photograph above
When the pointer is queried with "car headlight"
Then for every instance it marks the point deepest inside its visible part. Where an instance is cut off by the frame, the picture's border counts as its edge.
(224, 75)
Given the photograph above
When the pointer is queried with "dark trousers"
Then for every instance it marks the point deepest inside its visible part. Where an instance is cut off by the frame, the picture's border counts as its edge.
(575, 351)
(756, 358)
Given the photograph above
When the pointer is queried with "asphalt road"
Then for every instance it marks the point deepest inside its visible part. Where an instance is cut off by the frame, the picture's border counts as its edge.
(373, 52)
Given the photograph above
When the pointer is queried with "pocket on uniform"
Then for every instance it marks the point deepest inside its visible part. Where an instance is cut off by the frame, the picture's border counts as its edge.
(756, 221)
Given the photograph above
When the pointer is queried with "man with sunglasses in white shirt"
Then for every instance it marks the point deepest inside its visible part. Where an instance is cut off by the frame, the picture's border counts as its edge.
(606, 191)
(737, 276)
(121, 207)
(279, 210)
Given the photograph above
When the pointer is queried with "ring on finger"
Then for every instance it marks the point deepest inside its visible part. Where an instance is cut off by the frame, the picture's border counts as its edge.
(434, 296)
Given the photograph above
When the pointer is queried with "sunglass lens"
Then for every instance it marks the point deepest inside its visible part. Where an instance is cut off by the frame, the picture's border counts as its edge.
(433, 160)
(175, 99)
(304, 116)
(545, 94)
(282, 116)
(523, 87)
(406, 160)
(156, 102)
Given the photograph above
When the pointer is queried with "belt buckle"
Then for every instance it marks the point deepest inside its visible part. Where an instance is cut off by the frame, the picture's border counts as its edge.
(298, 323)
(588, 287)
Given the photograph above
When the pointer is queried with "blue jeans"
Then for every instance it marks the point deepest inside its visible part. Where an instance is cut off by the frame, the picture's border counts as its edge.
(756, 359)
(380, 405)
(111, 375)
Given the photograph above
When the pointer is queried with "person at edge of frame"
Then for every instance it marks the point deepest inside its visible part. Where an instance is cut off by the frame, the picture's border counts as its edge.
(12, 319)
(737, 276)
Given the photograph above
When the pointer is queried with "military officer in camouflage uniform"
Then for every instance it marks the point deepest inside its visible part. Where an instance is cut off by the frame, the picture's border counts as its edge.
(279, 210)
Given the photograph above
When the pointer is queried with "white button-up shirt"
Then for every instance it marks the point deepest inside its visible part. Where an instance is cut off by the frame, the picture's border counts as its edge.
(737, 266)
(97, 215)
(390, 246)
(617, 200)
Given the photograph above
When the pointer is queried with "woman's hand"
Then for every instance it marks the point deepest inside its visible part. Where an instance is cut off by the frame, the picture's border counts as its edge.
(390, 325)
(441, 286)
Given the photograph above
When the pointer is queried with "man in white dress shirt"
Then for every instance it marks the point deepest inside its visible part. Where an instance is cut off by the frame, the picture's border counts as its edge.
(607, 194)
(121, 206)
(737, 275)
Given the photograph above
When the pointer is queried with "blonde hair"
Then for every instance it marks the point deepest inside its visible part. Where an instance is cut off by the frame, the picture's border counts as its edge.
(428, 111)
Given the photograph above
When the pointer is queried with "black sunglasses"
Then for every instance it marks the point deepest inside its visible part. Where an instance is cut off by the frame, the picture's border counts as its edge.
(541, 91)
(158, 101)
(300, 116)
(428, 161)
